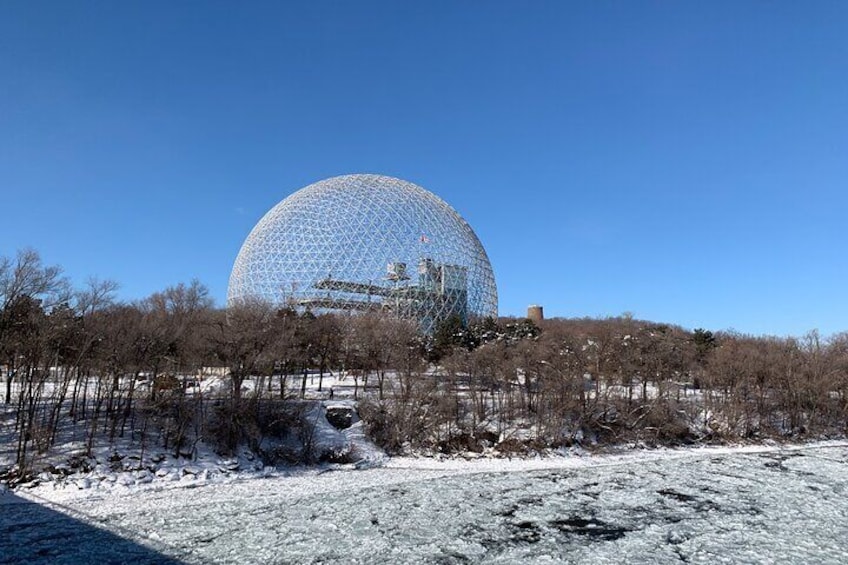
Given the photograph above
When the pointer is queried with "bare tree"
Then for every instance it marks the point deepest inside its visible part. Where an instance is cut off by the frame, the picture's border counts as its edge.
(21, 279)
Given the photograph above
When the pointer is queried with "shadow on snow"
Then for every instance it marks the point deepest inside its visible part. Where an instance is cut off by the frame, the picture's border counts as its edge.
(35, 533)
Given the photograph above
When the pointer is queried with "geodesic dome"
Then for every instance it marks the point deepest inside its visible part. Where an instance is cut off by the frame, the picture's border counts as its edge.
(366, 243)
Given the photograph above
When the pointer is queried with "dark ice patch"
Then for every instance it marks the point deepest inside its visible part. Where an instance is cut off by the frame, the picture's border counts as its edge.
(699, 504)
(590, 527)
(524, 532)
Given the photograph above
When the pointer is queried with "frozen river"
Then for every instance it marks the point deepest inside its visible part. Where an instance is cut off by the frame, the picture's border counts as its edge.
(699, 506)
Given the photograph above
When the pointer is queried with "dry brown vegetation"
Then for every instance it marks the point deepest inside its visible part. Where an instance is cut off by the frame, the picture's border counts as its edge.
(75, 360)
(618, 381)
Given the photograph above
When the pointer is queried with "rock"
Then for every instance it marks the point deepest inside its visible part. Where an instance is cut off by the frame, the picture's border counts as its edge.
(340, 417)
(230, 465)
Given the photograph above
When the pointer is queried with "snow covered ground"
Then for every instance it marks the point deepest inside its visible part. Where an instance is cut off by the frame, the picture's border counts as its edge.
(767, 504)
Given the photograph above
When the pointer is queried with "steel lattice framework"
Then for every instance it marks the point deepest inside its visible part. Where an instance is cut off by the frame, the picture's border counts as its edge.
(366, 242)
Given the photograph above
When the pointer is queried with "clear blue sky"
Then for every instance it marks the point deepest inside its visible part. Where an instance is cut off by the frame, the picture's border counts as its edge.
(684, 161)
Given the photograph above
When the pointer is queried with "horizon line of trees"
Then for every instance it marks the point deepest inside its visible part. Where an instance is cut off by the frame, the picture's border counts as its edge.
(79, 362)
